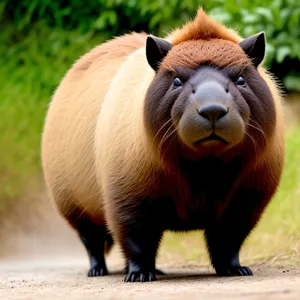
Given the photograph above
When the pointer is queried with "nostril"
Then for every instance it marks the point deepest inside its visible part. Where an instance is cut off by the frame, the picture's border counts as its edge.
(213, 112)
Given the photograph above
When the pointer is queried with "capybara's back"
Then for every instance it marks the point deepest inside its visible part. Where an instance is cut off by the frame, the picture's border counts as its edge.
(68, 138)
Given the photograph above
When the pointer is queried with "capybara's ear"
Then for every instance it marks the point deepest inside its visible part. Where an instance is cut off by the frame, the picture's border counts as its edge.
(156, 50)
(255, 46)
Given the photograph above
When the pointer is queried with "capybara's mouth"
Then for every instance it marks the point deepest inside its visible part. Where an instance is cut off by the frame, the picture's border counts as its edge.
(211, 138)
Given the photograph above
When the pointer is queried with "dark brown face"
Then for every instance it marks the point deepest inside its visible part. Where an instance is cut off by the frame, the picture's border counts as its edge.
(209, 111)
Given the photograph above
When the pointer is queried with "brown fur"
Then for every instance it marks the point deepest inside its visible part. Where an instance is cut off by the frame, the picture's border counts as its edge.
(68, 155)
(193, 53)
(95, 142)
(204, 40)
(203, 28)
(118, 47)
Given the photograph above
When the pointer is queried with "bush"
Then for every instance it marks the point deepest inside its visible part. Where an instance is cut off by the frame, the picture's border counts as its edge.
(280, 19)
(30, 71)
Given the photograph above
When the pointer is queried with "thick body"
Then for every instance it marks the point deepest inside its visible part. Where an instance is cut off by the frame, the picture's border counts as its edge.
(107, 177)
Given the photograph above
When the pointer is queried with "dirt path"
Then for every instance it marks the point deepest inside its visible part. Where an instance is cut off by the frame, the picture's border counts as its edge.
(64, 278)
(45, 260)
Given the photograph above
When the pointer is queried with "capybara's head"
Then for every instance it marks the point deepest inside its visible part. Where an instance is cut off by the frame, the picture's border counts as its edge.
(207, 97)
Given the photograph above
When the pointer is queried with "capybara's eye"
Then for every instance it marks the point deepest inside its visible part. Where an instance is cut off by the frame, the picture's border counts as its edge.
(240, 81)
(177, 83)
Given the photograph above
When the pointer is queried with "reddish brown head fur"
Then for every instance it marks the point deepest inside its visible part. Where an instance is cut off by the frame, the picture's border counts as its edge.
(203, 28)
(192, 54)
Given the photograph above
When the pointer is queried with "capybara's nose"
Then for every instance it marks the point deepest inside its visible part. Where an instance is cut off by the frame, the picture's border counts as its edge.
(213, 112)
(211, 100)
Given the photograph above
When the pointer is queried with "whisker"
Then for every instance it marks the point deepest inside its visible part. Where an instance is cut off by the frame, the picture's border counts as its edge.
(257, 124)
(161, 128)
(172, 139)
(258, 128)
(168, 136)
(254, 143)
(163, 139)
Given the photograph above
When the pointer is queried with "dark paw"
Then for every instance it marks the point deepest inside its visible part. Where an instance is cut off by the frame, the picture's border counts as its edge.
(97, 271)
(235, 271)
(157, 271)
(140, 276)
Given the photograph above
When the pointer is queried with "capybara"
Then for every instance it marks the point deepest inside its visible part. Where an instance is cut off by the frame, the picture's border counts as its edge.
(146, 134)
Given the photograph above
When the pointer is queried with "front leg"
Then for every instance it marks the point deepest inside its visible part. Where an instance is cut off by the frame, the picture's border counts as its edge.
(225, 237)
(139, 233)
(140, 247)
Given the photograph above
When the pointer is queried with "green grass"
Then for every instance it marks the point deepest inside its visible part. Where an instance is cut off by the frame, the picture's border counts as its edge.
(30, 71)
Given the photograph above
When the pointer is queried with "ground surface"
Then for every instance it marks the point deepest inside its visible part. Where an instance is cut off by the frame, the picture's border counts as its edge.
(65, 279)
(43, 259)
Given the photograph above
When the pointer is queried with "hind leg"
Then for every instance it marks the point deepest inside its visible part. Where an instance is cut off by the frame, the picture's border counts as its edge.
(94, 238)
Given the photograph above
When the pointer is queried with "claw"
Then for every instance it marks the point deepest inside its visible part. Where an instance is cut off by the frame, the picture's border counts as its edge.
(157, 271)
(235, 271)
(142, 276)
(152, 276)
(97, 271)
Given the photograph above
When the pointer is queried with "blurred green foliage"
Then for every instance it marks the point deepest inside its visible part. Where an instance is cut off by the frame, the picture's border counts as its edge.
(30, 70)
(280, 19)
(40, 39)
